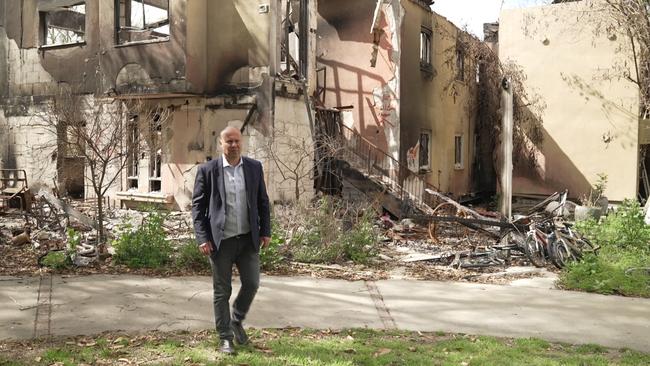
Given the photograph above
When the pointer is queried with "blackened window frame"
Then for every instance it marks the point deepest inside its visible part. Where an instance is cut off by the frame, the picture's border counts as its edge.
(426, 46)
(117, 26)
(43, 25)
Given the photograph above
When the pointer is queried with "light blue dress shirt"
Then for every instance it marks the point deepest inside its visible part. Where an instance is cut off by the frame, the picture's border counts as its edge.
(236, 200)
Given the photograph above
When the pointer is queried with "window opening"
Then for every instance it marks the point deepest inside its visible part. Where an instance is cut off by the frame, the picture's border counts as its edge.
(458, 152)
(142, 20)
(62, 22)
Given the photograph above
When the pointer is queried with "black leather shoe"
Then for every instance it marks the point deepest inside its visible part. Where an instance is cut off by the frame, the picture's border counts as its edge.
(239, 332)
(226, 347)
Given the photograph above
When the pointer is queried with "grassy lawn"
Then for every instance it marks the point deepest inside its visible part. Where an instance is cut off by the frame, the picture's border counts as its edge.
(310, 347)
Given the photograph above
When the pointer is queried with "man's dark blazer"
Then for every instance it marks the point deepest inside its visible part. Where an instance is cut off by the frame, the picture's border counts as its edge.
(209, 202)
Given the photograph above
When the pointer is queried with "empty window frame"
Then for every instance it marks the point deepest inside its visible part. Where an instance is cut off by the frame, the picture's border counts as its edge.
(141, 20)
(458, 152)
(425, 48)
(460, 65)
(62, 22)
(425, 150)
(155, 178)
(155, 152)
(133, 144)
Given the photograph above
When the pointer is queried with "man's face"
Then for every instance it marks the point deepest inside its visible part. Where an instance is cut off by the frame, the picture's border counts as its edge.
(231, 145)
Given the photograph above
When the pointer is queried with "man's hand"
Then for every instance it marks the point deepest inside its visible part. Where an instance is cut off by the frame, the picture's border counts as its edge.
(264, 241)
(206, 248)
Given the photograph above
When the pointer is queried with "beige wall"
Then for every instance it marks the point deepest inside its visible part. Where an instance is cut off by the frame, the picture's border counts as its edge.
(574, 61)
(437, 102)
(288, 154)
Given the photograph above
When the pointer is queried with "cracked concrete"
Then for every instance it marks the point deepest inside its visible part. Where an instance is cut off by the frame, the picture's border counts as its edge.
(93, 304)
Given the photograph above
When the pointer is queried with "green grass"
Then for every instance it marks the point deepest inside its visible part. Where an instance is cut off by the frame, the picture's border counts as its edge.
(624, 239)
(313, 347)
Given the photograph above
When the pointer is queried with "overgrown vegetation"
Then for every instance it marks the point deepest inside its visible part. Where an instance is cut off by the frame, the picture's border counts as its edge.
(272, 257)
(327, 231)
(332, 231)
(189, 256)
(145, 246)
(622, 265)
(596, 192)
(57, 260)
(312, 347)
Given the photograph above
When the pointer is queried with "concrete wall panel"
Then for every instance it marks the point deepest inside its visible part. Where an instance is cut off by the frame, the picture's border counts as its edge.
(575, 61)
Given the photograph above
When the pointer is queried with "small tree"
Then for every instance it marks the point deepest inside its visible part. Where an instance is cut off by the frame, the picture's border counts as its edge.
(96, 130)
(296, 158)
(634, 17)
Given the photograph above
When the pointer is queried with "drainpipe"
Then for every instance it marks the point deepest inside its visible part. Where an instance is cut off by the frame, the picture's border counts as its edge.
(506, 145)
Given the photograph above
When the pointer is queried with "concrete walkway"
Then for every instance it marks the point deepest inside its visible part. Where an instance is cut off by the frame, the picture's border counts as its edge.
(56, 305)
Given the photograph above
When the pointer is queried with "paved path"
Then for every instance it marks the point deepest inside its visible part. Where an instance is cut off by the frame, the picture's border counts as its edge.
(57, 305)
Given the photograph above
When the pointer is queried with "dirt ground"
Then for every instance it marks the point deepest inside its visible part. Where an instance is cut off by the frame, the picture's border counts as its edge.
(406, 251)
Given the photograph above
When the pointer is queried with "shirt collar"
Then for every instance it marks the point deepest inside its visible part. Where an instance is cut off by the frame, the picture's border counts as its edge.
(227, 164)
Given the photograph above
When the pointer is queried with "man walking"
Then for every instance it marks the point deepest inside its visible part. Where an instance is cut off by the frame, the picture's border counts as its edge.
(230, 209)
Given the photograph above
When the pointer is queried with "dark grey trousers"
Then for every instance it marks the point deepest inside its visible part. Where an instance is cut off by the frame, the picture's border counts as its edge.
(239, 251)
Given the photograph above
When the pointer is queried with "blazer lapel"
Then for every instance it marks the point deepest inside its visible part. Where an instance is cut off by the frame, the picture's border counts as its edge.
(248, 179)
(221, 186)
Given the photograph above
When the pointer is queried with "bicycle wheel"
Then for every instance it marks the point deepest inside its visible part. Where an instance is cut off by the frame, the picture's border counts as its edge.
(534, 251)
(560, 253)
(585, 246)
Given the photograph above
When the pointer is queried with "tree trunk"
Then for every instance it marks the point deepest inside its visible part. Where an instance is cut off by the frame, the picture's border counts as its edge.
(100, 220)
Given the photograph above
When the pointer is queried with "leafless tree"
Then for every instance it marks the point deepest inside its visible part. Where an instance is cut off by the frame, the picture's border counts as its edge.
(634, 17)
(97, 130)
(296, 158)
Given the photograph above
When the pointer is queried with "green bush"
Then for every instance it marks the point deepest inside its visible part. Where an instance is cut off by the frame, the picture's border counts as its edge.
(331, 233)
(624, 239)
(624, 228)
(145, 247)
(57, 260)
(189, 256)
(360, 243)
(271, 257)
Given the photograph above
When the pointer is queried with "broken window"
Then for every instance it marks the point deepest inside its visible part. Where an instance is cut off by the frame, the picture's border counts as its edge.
(141, 20)
(425, 48)
(155, 180)
(458, 152)
(294, 45)
(144, 141)
(460, 65)
(133, 143)
(425, 149)
(155, 152)
(62, 22)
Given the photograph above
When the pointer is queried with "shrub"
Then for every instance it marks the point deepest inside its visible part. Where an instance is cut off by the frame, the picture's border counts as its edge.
(360, 242)
(604, 275)
(74, 239)
(57, 260)
(624, 239)
(189, 256)
(624, 228)
(271, 257)
(332, 232)
(145, 246)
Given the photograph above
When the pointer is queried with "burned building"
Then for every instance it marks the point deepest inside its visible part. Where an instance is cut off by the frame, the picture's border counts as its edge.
(407, 83)
(391, 71)
(202, 64)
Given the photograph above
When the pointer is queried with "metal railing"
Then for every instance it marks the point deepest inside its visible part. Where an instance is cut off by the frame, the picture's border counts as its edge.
(404, 184)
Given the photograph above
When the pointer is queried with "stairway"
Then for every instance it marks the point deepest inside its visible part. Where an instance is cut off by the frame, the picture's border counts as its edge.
(377, 174)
